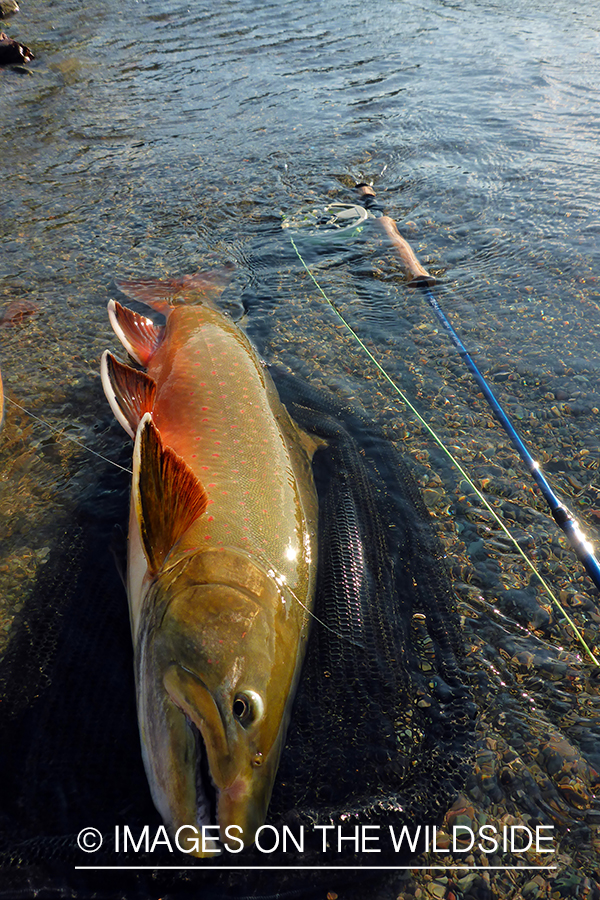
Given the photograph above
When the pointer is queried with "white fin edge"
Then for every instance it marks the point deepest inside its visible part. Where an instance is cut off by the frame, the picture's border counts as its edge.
(114, 321)
(111, 396)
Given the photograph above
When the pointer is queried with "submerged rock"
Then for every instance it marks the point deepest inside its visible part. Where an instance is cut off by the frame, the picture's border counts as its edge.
(8, 8)
(13, 52)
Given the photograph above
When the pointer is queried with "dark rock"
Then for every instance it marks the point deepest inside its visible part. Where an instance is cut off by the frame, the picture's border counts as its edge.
(13, 52)
(8, 8)
(525, 608)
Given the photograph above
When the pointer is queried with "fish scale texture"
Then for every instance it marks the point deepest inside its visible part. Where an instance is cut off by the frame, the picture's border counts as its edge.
(382, 726)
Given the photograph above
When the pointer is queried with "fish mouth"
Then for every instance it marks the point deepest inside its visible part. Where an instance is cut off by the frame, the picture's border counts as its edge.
(201, 808)
(222, 791)
(206, 790)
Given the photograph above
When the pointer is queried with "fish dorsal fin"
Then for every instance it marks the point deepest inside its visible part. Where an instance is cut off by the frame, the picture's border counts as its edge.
(139, 335)
(161, 294)
(130, 392)
(167, 496)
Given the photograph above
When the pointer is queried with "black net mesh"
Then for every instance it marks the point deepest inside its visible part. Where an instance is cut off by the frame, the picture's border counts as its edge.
(383, 674)
(382, 726)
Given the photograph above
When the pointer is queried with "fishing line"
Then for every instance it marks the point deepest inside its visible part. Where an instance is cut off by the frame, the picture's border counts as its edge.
(561, 515)
(421, 278)
(448, 453)
(280, 580)
(61, 434)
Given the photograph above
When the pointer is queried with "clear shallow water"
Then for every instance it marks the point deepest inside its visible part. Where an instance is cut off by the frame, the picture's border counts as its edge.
(143, 147)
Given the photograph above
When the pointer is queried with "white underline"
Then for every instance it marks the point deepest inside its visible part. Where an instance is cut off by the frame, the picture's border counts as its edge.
(201, 868)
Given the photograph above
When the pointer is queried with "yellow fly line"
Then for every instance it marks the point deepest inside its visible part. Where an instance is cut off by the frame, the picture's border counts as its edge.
(554, 599)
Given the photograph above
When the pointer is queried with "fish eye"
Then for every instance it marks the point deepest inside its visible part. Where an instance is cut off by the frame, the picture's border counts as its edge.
(247, 707)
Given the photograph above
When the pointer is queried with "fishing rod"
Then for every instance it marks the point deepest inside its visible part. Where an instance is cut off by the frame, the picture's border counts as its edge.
(422, 279)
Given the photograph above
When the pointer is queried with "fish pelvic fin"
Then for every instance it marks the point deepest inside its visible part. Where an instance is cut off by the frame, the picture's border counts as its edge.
(130, 392)
(139, 335)
(164, 293)
(1, 402)
(168, 497)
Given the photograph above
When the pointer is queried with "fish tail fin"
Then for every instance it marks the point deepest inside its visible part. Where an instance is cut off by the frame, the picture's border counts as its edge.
(139, 335)
(130, 392)
(163, 293)
(167, 496)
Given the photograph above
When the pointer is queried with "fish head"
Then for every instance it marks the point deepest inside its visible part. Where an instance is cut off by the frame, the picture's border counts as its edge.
(217, 665)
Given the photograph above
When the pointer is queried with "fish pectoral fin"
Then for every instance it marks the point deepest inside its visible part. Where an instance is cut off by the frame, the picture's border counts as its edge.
(309, 442)
(168, 497)
(163, 293)
(130, 392)
(139, 335)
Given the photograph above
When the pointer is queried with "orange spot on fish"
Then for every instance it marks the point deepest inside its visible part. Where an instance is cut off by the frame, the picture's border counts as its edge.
(211, 518)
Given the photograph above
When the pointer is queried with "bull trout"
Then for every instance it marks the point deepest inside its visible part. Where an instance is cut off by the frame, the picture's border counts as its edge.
(221, 556)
